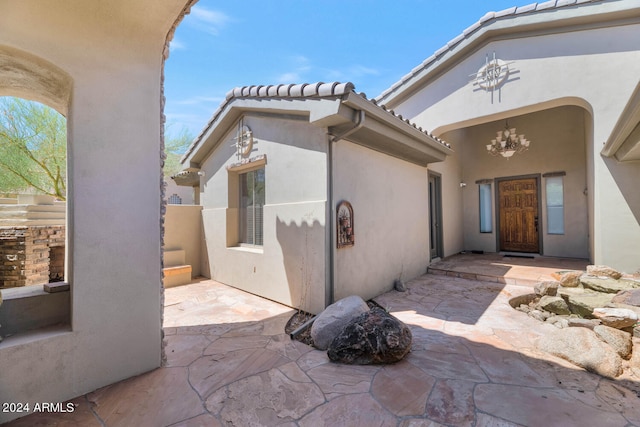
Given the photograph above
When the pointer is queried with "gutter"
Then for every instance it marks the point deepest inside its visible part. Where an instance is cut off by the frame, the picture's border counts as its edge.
(330, 286)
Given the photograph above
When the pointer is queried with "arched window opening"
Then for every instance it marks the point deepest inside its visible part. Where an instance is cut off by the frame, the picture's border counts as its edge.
(33, 193)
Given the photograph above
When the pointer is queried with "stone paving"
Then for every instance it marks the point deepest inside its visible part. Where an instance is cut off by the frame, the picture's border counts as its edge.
(472, 363)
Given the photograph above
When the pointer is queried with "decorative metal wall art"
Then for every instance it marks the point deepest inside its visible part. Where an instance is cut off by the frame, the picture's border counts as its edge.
(344, 223)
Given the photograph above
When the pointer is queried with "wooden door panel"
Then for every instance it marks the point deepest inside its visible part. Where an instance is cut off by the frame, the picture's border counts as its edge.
(518, 204)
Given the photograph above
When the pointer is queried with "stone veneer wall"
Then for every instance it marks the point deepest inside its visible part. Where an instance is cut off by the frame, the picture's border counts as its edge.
(31, 255)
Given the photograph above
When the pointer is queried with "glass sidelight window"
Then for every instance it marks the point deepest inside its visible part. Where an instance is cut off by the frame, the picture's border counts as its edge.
(555, 205)
(486, 221)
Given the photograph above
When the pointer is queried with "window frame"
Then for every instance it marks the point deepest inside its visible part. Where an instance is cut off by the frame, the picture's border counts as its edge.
(485, 207)
(257, 238)
(553, 227)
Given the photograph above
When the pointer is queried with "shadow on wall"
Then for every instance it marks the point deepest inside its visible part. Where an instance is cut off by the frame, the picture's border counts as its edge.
(303, 256)
(627, 177)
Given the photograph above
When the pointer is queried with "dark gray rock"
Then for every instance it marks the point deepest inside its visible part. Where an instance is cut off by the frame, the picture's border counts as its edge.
(399, 285)
(333, 319)
(373, 337)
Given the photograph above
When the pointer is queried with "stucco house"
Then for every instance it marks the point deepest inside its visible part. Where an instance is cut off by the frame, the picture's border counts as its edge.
(304, 185)
(539, 107)
(566, 76)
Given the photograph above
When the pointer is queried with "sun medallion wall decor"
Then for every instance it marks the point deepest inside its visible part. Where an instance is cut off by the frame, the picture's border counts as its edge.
(344, 223)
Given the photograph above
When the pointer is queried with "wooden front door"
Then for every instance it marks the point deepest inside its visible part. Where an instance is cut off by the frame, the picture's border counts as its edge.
(518, 203)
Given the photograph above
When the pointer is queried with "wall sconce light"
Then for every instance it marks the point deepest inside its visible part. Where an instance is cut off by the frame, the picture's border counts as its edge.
(463, 184)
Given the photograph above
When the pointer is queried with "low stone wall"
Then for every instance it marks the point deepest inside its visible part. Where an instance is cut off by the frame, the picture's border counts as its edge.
(31, 255)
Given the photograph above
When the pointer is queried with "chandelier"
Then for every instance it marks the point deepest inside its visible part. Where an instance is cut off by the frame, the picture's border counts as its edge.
(507, 143)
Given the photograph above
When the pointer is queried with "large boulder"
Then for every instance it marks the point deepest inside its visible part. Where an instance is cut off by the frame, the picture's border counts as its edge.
(334, 318)
(618, 318)
(619, 340)
(603, 271)
(583, 348)
(371, 338)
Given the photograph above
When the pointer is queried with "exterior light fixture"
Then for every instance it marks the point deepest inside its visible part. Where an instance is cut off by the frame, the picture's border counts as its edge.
(508, 143)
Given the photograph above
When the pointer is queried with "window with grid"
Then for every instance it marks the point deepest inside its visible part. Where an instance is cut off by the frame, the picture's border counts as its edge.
(175, 200)
(252, 197)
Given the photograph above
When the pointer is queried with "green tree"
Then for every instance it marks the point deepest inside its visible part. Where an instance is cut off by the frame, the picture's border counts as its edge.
(174, 147)
(33, 148)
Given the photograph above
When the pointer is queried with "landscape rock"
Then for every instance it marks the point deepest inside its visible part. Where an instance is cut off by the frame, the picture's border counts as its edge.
(616, 317)
(629, 297)
(583, 303)
(568, 279)
(607, 285)
(634, 362)
(538, 315)
(549, 287)
(373, 337)
(603, 270)
(334, 318)
(558, 321)
(583, 348)
(554, 305)
(583, 323)
(619, 340)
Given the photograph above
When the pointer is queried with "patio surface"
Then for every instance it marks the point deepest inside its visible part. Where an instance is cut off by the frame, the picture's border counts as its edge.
(472, 363)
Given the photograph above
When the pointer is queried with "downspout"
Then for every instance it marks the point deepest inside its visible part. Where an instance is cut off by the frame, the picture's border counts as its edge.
(331, 220)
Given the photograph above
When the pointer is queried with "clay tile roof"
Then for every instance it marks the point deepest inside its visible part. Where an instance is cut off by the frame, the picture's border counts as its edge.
(483, 21)
(305, 90)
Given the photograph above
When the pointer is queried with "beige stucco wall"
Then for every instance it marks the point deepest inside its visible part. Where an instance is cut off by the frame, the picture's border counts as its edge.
(450, 172)
(183, 231)
(558, 145)
(290, 267)
(589, 68)
(111, 54)
(391, 224)
(185, 193)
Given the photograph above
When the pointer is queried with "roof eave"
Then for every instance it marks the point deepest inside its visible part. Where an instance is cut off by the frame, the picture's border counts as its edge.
(390, 134)
(498, 25)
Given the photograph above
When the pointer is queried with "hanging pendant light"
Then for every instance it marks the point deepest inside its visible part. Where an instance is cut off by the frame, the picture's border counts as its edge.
(508, 143)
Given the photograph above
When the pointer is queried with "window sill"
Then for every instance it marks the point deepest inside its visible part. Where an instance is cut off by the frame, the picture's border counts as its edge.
(250, 249)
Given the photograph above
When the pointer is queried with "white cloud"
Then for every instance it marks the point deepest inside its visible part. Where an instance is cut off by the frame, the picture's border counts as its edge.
(290, 77)
(361, 70)
(177, 44)
(207, 20)
(198, 100)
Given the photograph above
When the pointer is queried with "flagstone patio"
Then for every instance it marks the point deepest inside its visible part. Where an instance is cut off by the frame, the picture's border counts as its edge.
(472, 363)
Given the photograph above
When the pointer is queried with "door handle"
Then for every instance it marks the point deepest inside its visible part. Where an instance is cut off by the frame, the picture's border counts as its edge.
(535, 222)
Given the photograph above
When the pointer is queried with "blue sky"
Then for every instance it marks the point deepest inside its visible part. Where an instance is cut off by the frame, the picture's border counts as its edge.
(222, 44)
